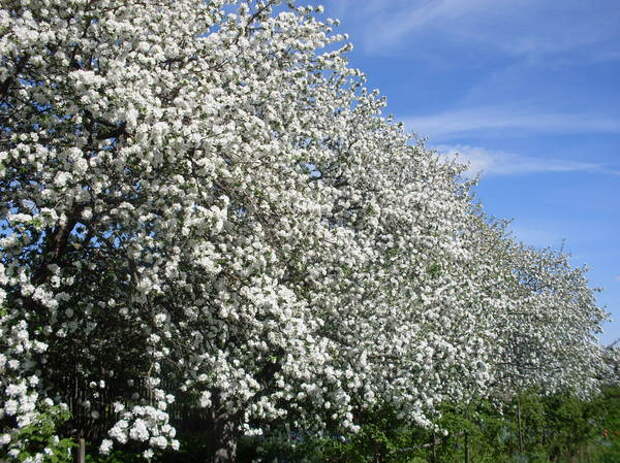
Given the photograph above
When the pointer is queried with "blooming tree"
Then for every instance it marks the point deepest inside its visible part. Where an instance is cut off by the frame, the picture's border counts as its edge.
(543, 316)
(208, 223)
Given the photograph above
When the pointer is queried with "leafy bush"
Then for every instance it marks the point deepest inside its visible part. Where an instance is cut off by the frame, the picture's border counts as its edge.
(532, 428)
(39, 440)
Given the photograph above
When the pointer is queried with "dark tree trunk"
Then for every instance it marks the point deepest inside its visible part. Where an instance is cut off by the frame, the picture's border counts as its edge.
(216, 430)
(223, 437)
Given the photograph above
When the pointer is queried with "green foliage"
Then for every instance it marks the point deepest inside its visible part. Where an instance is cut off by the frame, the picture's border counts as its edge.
(608, 405)
(434, 270)
(40, 437)
(118, 456)
(530, 429)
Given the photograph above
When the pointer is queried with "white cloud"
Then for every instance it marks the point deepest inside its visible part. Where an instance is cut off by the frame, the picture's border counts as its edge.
(525, 27)
(487, 162)
(490, 118)
(394, 21)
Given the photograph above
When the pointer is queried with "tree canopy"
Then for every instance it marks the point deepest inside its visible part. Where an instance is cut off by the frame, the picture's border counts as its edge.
(207, 221)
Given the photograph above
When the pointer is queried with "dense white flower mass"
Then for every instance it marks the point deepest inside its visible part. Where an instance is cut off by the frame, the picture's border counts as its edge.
(207, 222)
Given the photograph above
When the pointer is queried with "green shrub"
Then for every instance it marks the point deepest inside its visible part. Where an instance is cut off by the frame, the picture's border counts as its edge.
(40, 438)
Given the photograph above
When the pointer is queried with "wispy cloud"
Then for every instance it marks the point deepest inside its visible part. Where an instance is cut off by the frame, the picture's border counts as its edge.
(487, 162)
(526, 27)
(476, 120)
(404, 17)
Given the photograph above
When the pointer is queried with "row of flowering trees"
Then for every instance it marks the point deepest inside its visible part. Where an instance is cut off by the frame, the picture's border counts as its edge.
(207, 223)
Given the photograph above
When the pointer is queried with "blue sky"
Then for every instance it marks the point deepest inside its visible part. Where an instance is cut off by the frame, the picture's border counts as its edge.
(528, 91)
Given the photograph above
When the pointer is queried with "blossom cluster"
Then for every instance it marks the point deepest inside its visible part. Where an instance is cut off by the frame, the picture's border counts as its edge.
(21, 404)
